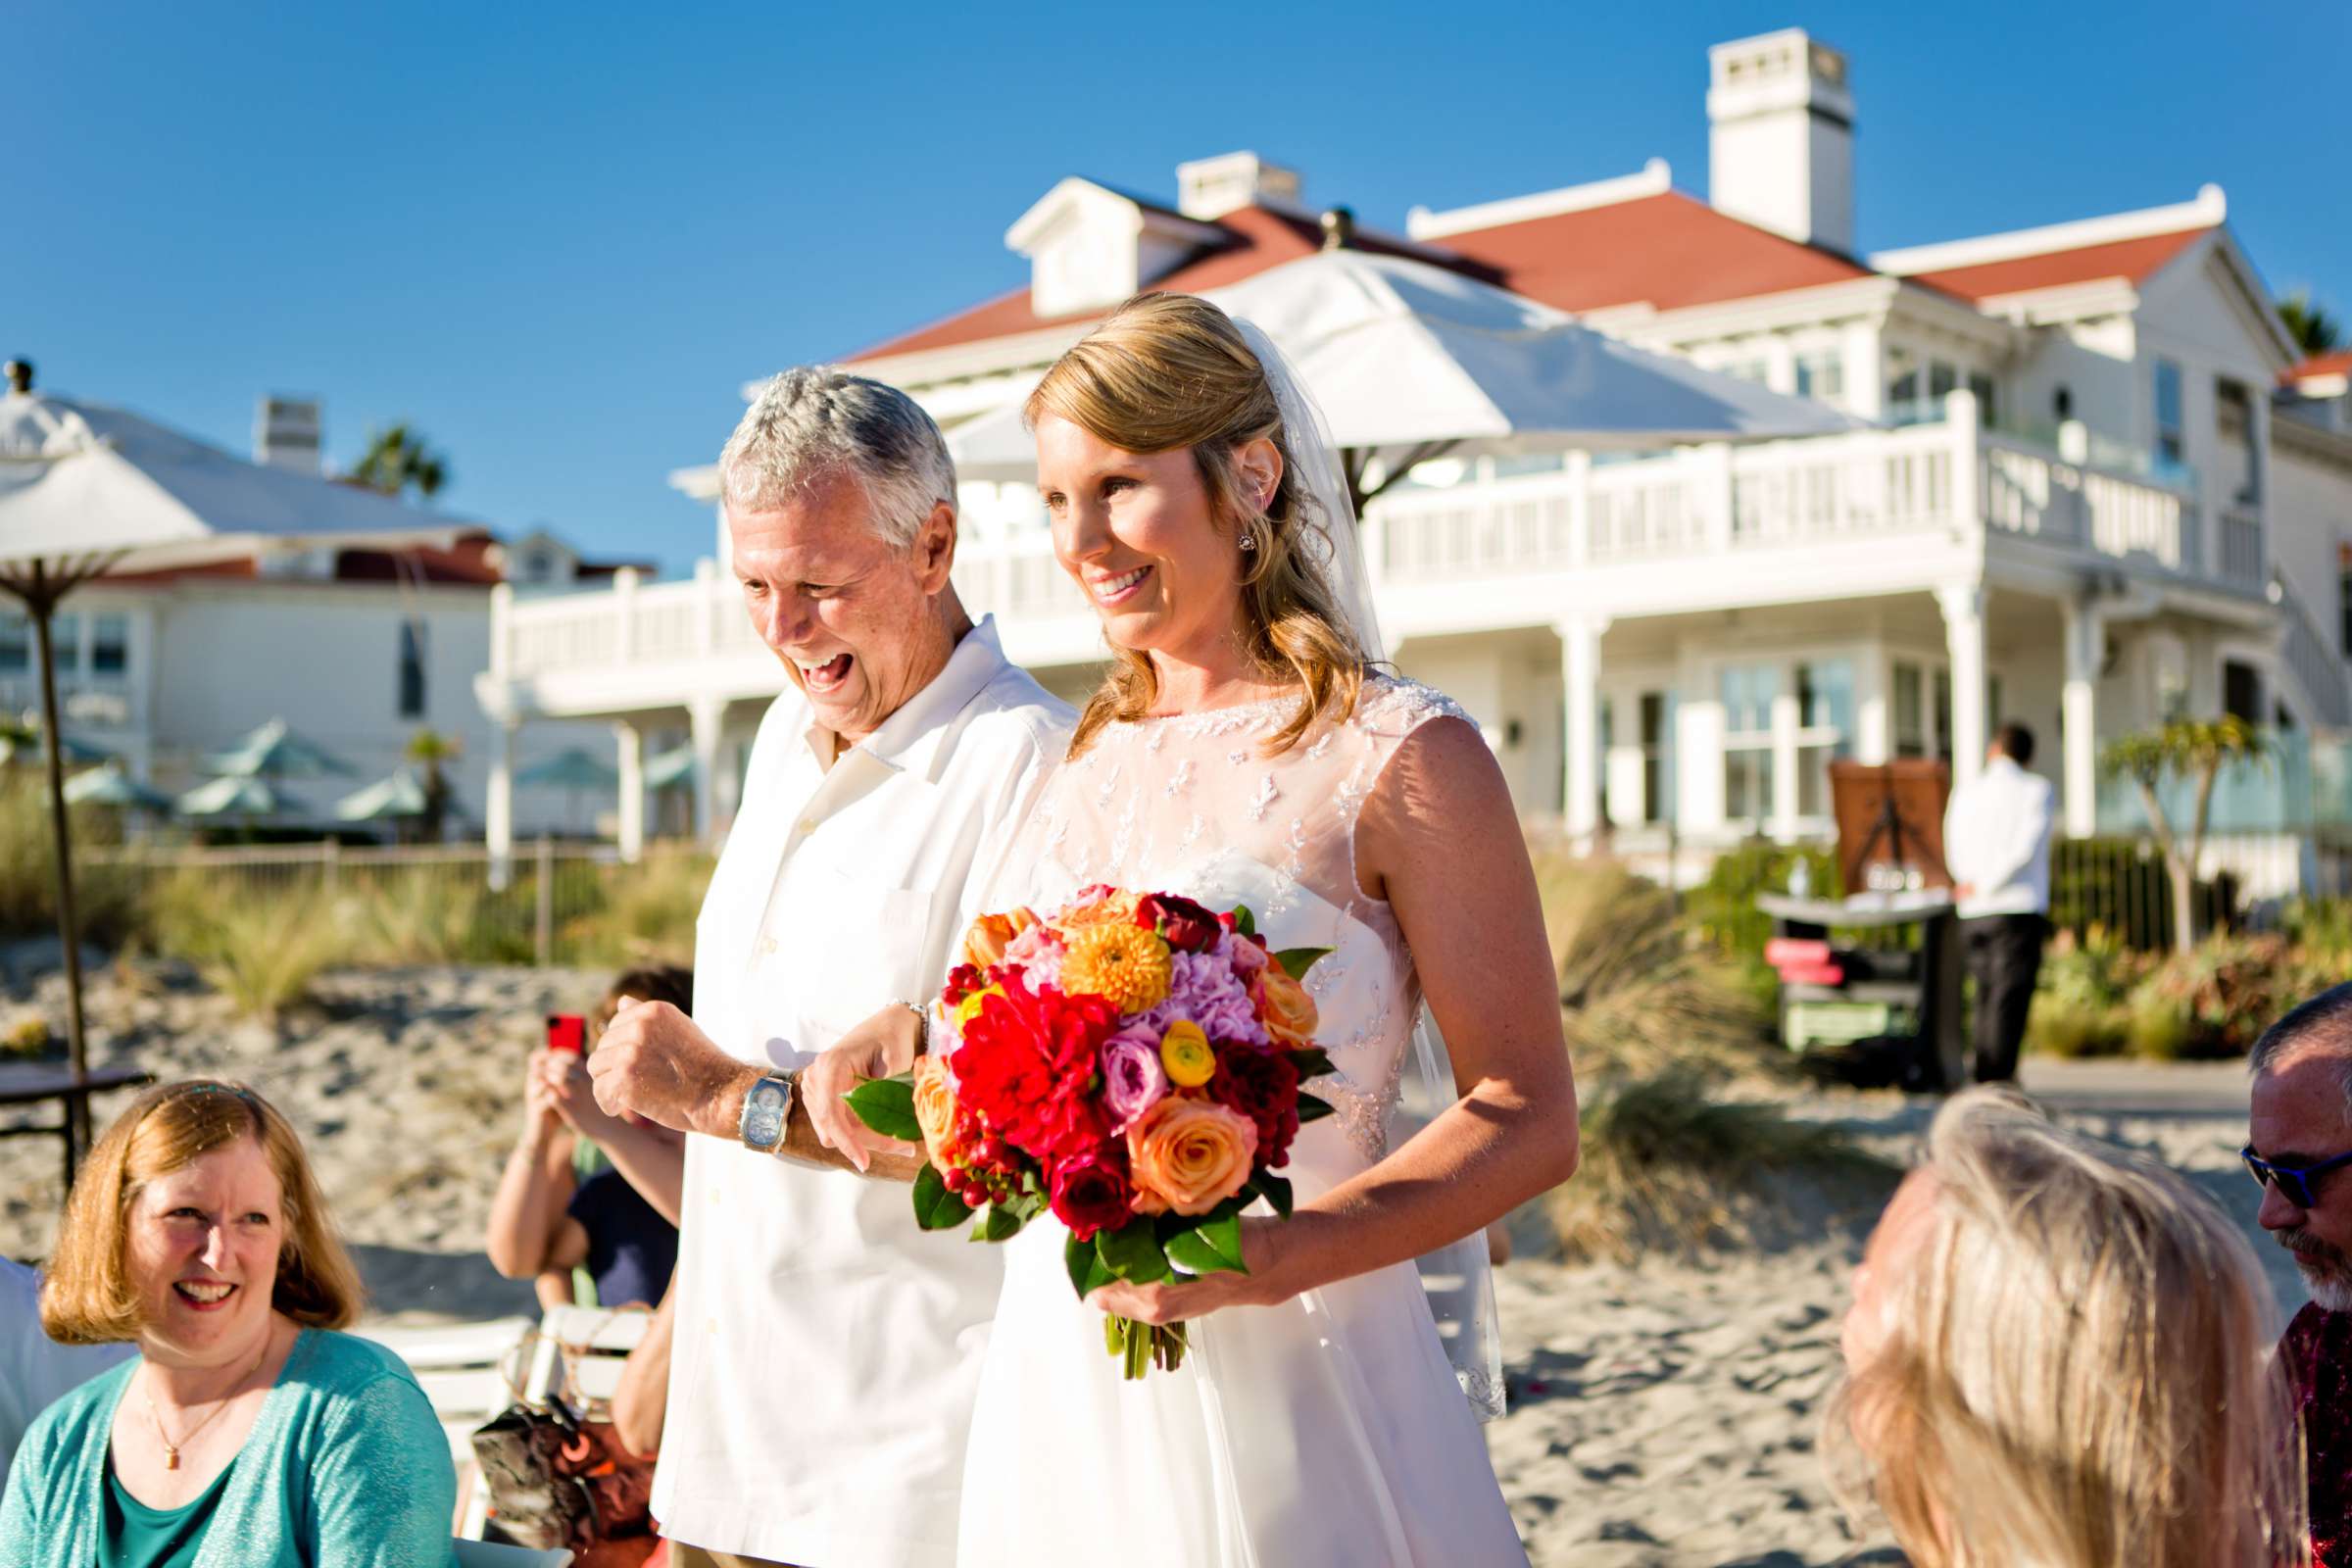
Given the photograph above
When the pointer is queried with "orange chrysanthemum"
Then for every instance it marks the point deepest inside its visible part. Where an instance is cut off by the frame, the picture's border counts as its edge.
(1125, 966)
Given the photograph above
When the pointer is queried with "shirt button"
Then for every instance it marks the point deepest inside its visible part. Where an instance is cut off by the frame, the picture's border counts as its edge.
(808, 824)
(768, 946)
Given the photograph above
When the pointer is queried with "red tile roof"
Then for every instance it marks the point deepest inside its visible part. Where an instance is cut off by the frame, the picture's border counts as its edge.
(1261, 238)
(2131, 260)
(1667, 251)
(465, 563)
(2338, 362)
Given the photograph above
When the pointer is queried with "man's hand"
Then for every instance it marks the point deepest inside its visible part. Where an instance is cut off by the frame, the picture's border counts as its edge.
(885, 1043)
(653, 1060)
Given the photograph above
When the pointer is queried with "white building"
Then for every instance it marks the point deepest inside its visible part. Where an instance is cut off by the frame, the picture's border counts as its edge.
(355, 650)
(2080, 507)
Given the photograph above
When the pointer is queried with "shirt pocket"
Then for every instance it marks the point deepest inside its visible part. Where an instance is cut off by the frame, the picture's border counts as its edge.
(861, 947)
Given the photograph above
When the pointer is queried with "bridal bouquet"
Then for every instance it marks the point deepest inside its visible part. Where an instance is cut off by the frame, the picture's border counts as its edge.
(1131, 1063)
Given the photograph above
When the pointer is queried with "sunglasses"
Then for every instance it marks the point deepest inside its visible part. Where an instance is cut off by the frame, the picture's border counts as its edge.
(2294, 1183)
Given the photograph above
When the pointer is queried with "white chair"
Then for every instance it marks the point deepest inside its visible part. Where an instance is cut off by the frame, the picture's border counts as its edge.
(580, 1353)
(465, 1370)
(483, 1555)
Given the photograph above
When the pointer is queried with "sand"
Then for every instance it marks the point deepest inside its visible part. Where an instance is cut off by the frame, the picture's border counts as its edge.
(1666, 1413)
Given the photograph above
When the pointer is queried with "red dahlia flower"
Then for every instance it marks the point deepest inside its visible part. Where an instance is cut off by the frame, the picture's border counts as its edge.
(1261, 1084)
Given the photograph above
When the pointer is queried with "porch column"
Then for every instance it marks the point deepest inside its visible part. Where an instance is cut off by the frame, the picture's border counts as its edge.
(1963, 605)
(631, 741)
(2085, 632)
(498, 805)
(1580, 734)
(704, 716)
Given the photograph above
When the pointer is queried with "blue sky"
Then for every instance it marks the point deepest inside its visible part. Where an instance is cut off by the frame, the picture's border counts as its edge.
(559, 238)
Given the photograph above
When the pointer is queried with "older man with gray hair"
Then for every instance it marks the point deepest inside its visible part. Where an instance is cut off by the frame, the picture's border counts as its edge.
(826, 1353)
(2298, 1147)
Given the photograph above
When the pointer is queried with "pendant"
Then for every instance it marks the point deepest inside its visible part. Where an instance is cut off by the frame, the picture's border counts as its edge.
(171, 1457)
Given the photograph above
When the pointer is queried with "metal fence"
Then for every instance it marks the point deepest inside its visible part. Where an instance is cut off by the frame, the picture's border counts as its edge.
(560, 903)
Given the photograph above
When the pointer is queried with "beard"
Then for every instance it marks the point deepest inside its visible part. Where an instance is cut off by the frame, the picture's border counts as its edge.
(2326, 1268)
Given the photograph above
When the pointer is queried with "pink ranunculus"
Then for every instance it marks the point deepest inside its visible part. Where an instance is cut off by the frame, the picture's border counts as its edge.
(1132, 1079)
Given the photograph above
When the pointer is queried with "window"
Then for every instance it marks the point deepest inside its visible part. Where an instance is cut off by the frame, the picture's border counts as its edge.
(1943, 714)
(15, 638)
(1941, 378)
(1654, 778)
(412, 669)
(1988, 406)
(110, 645)
(1748, 692)
(1825, 702)
(65, 643)
(1902, 379)
(2172, 449)
(2062, 403)
(2343, 616)
(1747, 370)
(2241, 691)
(1822, 375)
(1910, 710)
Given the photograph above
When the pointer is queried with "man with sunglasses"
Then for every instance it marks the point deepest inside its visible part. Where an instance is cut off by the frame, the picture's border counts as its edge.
(2299, 1148)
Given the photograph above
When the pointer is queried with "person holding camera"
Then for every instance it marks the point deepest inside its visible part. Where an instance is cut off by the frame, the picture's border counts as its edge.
(588, 1206)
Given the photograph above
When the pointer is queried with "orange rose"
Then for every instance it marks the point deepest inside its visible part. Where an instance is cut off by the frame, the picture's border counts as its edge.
(987, 938)
(934, 1112)
(1113, 908)
(1285, 1009)
(1188, 1156)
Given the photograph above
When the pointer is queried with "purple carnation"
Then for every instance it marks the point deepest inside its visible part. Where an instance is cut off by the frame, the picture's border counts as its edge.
(1203, 987)
(1133, 1080)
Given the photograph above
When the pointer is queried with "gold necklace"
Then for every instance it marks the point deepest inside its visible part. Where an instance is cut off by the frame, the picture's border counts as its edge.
(155, 1417)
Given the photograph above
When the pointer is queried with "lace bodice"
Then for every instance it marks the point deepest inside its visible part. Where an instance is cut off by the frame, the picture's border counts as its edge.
(1191, 804)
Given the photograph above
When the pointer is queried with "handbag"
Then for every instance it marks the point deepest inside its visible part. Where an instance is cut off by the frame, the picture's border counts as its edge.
(559, 1480)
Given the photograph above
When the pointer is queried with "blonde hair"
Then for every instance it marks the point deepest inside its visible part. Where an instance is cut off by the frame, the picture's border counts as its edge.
(2077, 1369)
(88, 1298)
(1167, 371)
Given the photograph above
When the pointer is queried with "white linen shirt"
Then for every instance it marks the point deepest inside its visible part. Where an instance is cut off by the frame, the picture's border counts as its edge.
(827, 1351)
(1996, 838)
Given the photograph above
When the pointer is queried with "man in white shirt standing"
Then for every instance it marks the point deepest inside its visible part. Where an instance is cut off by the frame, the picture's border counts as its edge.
(826, 1351)
(1996, 843)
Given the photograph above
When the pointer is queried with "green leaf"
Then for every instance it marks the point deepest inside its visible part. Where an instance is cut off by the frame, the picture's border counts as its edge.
(1087, 1273)
(1132, 1252)
(1296, 961)
(1275, 1190)
(1311, 1108)
(1312, 1063)
(1244, 922)
(1212, 1247)
(935, 1207)
(999, 1224)
(887, 1106)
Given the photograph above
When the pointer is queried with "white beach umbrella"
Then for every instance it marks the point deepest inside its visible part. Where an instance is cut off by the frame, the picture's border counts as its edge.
(87, 489)
(1411, 361)
(237, 795)
(386, 799)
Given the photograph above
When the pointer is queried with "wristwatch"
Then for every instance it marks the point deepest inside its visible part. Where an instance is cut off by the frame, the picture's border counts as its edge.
(766, 1108)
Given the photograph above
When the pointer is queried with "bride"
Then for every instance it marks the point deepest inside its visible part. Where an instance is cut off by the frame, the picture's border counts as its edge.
(1244, 749)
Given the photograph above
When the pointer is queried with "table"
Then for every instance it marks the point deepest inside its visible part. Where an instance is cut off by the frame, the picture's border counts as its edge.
(35, 1083)
(1936, 993)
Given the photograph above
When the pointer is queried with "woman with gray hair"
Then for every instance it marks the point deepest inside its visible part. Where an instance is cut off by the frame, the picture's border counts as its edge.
(2057, 1359)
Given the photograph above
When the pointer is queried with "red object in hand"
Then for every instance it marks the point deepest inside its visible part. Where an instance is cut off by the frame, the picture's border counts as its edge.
(567, 1031)
(1782, 952)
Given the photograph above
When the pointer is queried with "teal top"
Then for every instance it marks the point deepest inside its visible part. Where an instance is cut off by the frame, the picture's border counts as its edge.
(135, 1536)
(346, 1467)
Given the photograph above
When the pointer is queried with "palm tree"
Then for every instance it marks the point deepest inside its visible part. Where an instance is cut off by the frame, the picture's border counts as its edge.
(429, 750)
(398, 459)
(2314, 330)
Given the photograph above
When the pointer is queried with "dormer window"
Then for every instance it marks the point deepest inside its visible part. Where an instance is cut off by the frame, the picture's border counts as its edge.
(1090, 247)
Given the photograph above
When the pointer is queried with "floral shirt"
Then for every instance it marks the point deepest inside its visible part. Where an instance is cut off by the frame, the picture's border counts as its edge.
(2316, 1352)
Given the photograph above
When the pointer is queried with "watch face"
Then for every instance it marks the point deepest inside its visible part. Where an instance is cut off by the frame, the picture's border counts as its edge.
(763, 1114)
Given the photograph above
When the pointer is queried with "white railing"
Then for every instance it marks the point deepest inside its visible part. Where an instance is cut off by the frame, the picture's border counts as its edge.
(2326, 681)
(1694, 503)
(89, 702)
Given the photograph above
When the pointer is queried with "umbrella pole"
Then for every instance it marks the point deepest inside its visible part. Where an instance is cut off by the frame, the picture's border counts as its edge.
(43, 603)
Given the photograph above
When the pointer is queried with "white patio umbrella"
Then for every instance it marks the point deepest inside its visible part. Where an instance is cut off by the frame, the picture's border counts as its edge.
(108, 785)
(386, 800)
(275, 751)
(87, 489)
(1411, 361)
(237, 795)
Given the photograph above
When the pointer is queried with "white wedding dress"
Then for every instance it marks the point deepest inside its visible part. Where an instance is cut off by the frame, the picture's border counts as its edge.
(1330, 1431)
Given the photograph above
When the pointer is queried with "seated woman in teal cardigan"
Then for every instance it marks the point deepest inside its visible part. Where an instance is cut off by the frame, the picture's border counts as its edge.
(247, 1431)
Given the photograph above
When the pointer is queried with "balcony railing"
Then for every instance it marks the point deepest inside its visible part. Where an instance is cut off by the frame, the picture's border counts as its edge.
(1693, 504)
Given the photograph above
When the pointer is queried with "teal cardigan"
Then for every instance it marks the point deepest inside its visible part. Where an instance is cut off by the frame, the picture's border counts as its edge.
(346, 1467)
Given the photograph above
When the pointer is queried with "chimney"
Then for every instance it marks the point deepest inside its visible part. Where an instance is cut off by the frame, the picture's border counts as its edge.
(1207, 188)
(285, 434)
(1781, 137)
